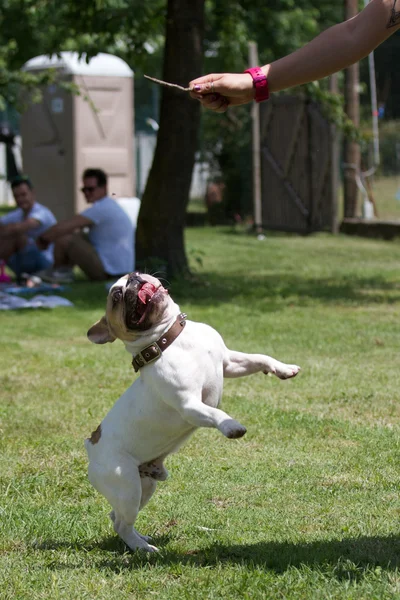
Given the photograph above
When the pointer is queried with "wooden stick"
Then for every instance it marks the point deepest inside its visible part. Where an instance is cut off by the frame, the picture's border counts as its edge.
(170, 85)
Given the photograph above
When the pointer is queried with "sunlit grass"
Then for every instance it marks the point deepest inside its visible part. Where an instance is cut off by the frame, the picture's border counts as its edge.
(306, 505)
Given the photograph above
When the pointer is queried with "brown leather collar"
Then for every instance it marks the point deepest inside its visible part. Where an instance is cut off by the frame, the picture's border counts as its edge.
(154, 351)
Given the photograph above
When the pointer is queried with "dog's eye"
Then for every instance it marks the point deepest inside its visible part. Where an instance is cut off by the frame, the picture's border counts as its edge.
(116, 295)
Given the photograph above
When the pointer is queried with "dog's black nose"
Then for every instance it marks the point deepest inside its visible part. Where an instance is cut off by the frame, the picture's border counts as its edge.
(135, 278)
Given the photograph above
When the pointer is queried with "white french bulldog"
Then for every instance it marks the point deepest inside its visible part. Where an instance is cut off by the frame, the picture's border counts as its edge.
(179, 389)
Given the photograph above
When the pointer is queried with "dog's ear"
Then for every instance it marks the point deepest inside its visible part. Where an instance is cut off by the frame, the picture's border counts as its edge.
(100, 333)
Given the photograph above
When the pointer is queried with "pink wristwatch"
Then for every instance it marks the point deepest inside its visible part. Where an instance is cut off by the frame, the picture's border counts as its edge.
(260, 83)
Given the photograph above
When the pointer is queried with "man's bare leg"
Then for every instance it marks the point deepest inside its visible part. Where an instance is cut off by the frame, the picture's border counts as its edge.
(10, 245)
(61, 258)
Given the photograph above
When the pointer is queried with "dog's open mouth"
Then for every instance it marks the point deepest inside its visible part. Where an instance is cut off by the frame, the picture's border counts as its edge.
(144, 297)
(146, 292)
(141, 299)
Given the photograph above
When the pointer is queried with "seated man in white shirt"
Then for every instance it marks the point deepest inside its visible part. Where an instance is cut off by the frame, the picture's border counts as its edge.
(106, 251)
(20, 228)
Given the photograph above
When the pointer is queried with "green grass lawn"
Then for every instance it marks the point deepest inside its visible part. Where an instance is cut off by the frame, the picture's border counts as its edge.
(384, 191)
(306, 505)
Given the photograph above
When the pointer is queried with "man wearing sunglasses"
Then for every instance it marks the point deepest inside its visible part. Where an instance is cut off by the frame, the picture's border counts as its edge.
(105, 251)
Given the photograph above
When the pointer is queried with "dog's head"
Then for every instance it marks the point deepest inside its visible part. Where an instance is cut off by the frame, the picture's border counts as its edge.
(135, 304)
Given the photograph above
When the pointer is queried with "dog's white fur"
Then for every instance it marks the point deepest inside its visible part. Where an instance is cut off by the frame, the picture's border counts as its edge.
(172, 397)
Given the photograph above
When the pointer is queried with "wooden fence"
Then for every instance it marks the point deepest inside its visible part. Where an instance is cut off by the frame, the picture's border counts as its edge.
(299, 166)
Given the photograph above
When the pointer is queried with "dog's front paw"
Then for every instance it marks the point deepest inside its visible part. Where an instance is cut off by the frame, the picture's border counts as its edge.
(282, 370)
(232, 429)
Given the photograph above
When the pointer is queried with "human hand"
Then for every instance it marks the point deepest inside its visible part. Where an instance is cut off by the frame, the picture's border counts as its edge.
(41, 243)
(217, 91)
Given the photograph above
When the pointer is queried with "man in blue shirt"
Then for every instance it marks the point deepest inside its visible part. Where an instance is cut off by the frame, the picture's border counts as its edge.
(106, 251)
(20, 228)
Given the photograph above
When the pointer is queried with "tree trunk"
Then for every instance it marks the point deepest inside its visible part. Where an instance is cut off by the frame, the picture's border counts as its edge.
(160, 229)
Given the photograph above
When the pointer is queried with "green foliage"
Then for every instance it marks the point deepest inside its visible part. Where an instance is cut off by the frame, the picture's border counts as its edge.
(332, 106)
(29, 28)
(226, 143)
(278, 27)
(134, 30)
(388, 76)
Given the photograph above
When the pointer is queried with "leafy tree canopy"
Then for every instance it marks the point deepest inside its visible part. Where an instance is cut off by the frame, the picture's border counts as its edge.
(132, 28)
(29, 28)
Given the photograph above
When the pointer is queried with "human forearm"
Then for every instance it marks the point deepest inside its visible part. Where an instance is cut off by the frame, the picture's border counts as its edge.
(65, 227)
(334, 49)
(57, 231)
(6, 231)
(10, 230)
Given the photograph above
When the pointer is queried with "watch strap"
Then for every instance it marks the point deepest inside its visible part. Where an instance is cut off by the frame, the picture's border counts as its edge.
(260, 83)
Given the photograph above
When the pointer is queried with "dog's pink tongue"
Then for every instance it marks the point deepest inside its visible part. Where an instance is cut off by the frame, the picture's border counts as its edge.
(146, 292)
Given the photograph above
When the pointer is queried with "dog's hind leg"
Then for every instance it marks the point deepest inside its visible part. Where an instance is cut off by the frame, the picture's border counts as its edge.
(116, 520)
(148, 488)
(132, 538)
(123, 489)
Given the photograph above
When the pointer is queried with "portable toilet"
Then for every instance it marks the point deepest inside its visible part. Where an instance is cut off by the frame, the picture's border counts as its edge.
(66, 133)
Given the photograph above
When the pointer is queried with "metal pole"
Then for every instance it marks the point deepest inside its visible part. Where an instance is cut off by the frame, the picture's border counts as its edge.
(256, 151)
(352, 149)
(374, 104)
(335, 154)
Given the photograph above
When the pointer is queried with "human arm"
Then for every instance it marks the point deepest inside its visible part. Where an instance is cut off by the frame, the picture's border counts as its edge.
(8, 230)
(64, 228)
(333, 50)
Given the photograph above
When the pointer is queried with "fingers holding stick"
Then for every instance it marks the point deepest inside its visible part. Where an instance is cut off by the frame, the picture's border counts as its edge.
(209, 98)
(180, 87)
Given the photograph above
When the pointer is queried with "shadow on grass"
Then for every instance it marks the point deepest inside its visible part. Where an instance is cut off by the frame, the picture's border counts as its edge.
(274, 291)
(349, 558)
